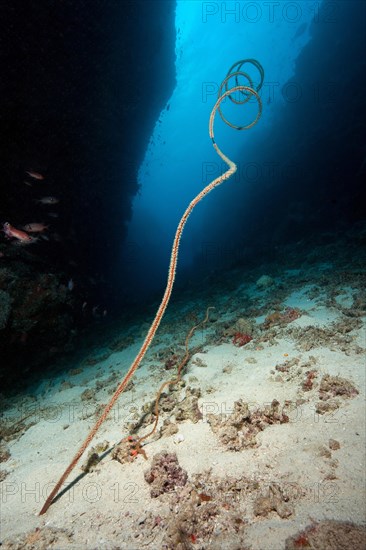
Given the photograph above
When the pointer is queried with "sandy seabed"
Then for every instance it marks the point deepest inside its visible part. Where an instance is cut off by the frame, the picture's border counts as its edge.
(260, 446)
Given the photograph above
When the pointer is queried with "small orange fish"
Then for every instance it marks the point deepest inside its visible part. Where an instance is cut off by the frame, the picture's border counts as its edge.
(47, 200)
(34, 175)
(35, 227)
(13, 232)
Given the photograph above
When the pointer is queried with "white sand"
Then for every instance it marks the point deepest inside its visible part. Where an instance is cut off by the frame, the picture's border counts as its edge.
(108, 507)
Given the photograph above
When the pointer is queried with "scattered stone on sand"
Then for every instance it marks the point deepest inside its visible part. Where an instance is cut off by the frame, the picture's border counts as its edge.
(275, 501)
(264, 282)
(165, 474)
(334, 444)
(329, 535)
(332, 386)
(241, 427)
(40, 539)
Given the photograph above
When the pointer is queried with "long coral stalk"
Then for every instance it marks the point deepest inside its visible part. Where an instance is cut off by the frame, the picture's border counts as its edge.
(172, 381)
(169, 287)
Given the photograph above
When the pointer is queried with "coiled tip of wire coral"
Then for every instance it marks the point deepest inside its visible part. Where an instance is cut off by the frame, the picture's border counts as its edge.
(246, 90)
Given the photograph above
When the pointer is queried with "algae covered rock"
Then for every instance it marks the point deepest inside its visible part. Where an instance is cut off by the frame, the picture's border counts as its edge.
(264, 282)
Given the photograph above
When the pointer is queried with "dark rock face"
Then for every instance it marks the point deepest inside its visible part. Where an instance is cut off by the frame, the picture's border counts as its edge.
(82, 86)
(83, 83)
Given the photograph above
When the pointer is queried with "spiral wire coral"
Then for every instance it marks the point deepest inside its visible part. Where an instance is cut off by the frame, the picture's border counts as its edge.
(248, 92)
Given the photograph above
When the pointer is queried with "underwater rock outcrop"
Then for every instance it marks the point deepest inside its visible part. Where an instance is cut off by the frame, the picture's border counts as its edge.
(240, 429)
(165, 474)
(37, 319)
